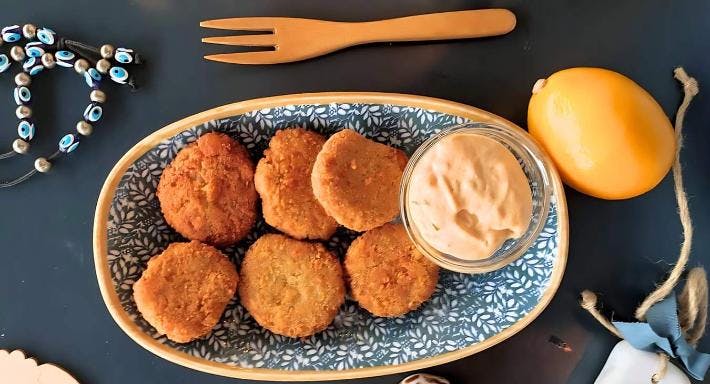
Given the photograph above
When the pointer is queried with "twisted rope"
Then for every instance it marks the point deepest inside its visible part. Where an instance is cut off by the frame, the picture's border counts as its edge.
(690, 88)
(693, 300)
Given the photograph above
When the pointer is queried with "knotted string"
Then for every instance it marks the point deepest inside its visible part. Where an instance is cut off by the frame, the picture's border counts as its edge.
(693, 300)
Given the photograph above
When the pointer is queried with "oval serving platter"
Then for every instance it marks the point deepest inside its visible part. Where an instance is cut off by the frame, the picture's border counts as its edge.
(466, 314)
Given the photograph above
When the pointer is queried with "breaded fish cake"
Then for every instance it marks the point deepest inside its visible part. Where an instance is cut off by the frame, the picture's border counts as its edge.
(207, 192)
(283, 180)
(184, 290)
(292, 288)
(387, 275)
(357, 180)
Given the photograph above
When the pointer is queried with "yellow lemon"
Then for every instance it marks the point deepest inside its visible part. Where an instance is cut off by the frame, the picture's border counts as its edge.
(607, 136)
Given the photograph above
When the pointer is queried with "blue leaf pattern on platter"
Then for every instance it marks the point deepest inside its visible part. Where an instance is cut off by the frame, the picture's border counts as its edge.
(464, 310)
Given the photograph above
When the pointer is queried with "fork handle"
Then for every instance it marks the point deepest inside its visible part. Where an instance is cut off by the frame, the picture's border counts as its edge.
(436, 26)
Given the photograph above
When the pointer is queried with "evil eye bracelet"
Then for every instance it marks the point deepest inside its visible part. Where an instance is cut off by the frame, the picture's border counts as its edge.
(45, 50)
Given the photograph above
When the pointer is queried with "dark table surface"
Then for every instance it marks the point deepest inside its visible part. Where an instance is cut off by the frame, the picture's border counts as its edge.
(49, 298)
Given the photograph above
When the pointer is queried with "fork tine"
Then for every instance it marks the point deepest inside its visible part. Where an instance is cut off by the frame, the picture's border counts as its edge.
(258, 57)
(267, 39)
(241, 23)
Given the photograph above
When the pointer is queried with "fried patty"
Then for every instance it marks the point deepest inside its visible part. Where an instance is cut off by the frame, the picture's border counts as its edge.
(387, 275)
(184, 290)
(356, 180)
(291, 287)
(207, 192)
(283, 180)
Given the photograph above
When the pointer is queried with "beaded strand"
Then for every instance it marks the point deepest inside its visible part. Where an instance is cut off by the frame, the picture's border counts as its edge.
(45, 50)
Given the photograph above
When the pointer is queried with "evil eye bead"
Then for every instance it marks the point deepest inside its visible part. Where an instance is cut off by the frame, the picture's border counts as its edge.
(119, 75)
(93, 112)
(11, 34)
(36, 69)
(46, 36)
(34, 49)
(124, 55)
(23, 96)
(29, 63)
(92, 77)
(48, 60)
(65, 58)
(4, 63)
(26, 129)
(68, 143)
(29, 31)
(33, 66)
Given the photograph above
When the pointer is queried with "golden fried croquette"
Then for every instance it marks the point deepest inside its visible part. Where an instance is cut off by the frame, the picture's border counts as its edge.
(291, 287)
(283, 180)
(357, 180)
(184, 290)
(207, 192)
(387, 274)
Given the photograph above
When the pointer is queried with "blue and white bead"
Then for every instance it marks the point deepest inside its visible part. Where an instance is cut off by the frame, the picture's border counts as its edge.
(29, 63)
(22, 95)
(46, 36)
(93, 112)
(124, 55)
(118, 75)
(35, 49)
(12, 34)
(92, 77)
(26, 129)
(65, 59)
(33, 66)
(5, 62)
(68, 143)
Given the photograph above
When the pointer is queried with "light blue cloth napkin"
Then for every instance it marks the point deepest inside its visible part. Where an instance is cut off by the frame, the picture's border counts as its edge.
(662, 333)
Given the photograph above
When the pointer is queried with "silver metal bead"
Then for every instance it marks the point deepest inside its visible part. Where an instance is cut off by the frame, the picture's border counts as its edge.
(80, 66)
(29, 31)
(23, 79)
(48, 60)
(23, 112)
(43, 165)
(20, 146)
(84, 128)
(107, 51)
(97, 96)
(103, 66)
(17, 53)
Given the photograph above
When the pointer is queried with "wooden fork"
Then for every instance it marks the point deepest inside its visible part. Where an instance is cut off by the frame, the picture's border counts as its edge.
(295, 39)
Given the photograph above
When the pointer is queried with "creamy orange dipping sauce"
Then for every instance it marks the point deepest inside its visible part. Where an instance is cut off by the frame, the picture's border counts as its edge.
(468, 194)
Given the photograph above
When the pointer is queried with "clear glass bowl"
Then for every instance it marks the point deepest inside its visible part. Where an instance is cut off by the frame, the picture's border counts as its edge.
(532, 161)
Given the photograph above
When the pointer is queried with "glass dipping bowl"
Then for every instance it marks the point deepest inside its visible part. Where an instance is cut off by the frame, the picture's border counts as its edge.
(533, 163)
